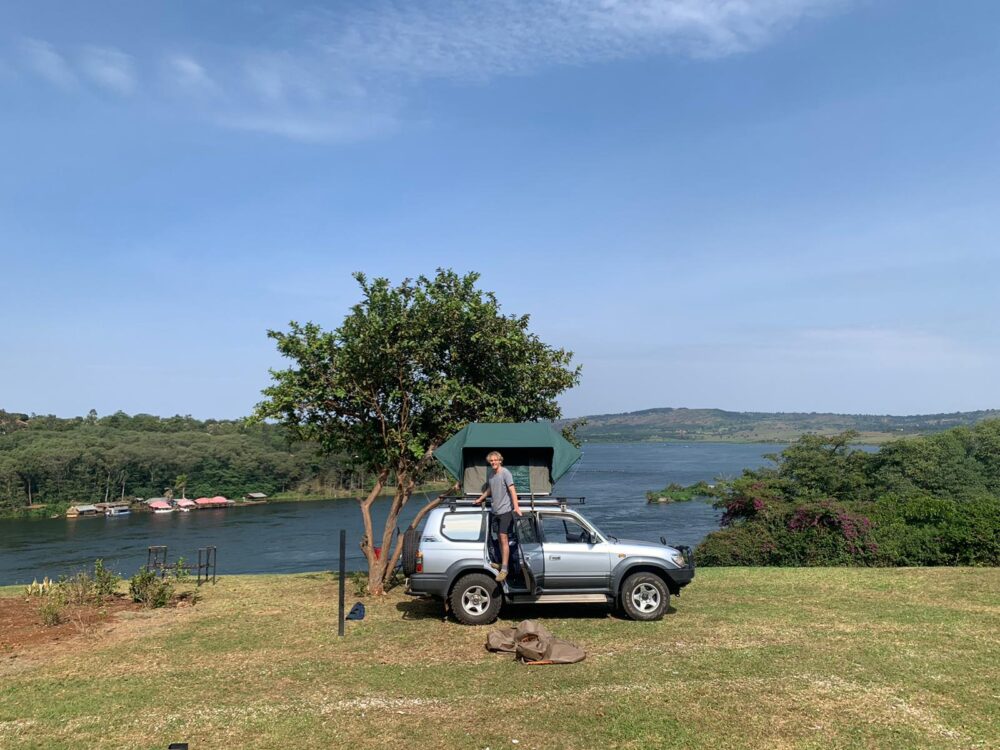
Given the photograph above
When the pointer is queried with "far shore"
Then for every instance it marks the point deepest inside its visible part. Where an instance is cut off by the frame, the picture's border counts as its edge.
(58, 510)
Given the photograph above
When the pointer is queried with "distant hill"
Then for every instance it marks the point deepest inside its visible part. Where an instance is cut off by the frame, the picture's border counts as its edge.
(659, 425)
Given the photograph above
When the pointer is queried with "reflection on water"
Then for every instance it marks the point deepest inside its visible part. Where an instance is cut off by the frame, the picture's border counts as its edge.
(296, 537)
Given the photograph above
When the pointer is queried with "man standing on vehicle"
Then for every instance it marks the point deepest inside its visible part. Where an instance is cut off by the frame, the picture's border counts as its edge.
(500, 485)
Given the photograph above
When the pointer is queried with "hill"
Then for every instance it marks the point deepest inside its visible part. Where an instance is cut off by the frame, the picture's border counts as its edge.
(666, 424)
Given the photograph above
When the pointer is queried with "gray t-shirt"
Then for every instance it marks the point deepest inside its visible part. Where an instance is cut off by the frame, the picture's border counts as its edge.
(499, 490)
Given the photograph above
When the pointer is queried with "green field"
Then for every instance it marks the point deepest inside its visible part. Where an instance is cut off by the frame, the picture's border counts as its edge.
(750, 657)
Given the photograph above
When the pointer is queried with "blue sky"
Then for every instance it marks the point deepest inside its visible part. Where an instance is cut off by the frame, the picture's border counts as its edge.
(781, 205)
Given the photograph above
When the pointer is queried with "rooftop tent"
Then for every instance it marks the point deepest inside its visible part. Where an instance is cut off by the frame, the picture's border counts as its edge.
(536, 455)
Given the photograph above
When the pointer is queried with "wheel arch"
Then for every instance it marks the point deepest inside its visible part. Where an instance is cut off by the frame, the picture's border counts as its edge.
(627, 568)
(457, 570)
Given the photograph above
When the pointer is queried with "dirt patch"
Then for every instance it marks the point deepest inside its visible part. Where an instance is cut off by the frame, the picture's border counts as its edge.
(21, 626)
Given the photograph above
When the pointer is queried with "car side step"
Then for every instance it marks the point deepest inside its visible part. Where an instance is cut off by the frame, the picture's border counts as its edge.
(560, 599)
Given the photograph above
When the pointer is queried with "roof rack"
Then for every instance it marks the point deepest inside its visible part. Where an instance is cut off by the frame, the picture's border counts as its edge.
(530, 501)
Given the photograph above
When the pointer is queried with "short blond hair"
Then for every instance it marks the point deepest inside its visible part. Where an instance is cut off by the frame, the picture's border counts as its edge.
(491, 454)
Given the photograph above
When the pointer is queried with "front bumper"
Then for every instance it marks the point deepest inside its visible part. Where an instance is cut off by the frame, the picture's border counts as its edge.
(683, 576)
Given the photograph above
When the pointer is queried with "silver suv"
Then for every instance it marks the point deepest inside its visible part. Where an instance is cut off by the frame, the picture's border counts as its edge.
(556, 557)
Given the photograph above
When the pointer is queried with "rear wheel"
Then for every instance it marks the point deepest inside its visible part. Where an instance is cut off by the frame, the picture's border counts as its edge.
(644, 596)
(475, 599)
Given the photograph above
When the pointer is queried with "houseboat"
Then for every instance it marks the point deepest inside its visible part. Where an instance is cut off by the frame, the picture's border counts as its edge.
(161, 506)
(76, 511)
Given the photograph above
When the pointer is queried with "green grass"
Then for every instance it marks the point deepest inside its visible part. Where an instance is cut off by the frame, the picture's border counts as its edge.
(811, 658)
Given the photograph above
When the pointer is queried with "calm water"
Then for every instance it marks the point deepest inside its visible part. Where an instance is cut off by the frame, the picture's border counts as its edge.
(296, 537)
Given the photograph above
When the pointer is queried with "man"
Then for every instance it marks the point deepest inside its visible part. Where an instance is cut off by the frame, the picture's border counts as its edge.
(500, 485)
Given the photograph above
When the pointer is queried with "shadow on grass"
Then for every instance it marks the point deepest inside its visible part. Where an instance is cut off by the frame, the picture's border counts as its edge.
(421, 609)
(433, 609)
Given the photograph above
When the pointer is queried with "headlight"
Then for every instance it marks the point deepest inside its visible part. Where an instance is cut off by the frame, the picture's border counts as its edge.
(677, 558)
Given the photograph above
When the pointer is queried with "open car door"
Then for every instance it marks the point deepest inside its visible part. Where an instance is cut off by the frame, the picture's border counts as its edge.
(529, 550)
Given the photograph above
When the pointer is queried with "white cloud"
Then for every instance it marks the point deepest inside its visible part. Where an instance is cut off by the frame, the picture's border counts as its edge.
(109, 68)
(42, 59)
(189, 75)
(340, 72)
(456, 39)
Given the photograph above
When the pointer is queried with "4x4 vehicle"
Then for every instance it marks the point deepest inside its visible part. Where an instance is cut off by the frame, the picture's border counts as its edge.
(556, 556)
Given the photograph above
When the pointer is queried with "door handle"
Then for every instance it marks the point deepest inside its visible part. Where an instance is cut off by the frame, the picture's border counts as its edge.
(555, 557)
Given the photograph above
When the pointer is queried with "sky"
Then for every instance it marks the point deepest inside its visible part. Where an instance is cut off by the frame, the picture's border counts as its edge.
(753, 205)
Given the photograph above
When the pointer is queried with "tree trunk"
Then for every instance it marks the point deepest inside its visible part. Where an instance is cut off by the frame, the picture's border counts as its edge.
(404, 488)
(397, 550)
(374, 566)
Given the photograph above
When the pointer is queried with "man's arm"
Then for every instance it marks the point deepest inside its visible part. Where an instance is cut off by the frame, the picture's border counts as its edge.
(513, 497)
(486, 494)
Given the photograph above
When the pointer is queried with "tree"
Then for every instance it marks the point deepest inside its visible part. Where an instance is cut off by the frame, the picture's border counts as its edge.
(409, 366)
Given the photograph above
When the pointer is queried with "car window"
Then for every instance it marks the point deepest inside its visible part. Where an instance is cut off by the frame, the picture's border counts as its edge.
(526, 531)
(563, 529)
(463, 527)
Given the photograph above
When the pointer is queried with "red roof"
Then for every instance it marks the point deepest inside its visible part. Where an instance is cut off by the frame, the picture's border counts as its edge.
(159, 504)
(213, 501)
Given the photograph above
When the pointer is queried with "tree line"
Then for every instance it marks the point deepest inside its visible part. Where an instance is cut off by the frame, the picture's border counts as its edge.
(920, 501)
(57, 462)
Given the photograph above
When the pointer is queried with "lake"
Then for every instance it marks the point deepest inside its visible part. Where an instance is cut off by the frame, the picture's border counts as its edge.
(298, 537)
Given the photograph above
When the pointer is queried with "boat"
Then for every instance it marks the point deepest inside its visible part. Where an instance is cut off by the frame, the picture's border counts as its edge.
(75, 511)
(117, 510)
(184, 505)
(161, 506)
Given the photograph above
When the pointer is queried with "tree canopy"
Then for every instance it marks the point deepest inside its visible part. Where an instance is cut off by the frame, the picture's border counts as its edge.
(410, 365)
(920, 501)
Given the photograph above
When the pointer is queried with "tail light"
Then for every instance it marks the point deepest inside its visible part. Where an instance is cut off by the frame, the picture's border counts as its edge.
(420, 562)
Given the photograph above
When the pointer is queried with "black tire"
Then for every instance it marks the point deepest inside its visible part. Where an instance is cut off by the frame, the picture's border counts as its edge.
(476, 599)
(644, 596)
(411, 543)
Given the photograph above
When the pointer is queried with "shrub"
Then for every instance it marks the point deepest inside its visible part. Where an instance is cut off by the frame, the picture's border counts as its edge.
(77, 588)
(51, 611)
(181, 572)
(147, 589)
(105, 581)
(359, 580)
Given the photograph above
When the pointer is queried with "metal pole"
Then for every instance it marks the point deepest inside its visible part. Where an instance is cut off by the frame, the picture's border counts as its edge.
(343, 580)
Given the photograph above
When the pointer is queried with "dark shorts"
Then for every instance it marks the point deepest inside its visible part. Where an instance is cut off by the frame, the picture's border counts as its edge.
(504, 522)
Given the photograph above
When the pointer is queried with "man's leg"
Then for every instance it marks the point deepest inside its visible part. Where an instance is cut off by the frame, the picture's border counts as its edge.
(504, 552)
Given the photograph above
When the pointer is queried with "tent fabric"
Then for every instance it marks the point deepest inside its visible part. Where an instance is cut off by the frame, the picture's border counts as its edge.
(544, 455)
(532, 644)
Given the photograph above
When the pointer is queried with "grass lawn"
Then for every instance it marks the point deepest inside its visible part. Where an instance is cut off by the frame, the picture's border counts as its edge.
(749, 658)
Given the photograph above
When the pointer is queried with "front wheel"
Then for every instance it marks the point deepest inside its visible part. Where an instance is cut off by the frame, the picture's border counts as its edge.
(645, 596)
(475, 599)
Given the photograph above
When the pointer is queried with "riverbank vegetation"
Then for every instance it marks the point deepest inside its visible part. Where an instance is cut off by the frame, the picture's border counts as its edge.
(48, 463)
(922, 501)
(718, 425)
(818, 657)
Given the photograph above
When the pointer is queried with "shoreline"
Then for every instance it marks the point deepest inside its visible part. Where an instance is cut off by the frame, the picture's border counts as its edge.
(58, 510)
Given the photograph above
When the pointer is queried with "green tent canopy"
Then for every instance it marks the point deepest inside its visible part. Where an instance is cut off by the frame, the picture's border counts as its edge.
(536, 455)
